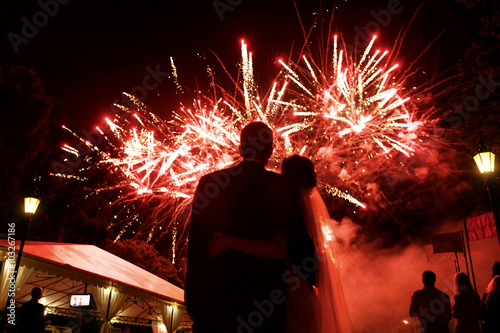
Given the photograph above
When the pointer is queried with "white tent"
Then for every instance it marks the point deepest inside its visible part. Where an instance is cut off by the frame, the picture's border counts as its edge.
(62, 269)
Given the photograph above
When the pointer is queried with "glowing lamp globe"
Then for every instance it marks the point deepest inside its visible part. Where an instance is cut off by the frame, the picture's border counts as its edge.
(30, 205)
(485, 161)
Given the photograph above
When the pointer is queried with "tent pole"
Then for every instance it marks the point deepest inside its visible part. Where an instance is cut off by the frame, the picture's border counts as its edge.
(171, 320)
(464, 252)
(109, 303)
(470, 256)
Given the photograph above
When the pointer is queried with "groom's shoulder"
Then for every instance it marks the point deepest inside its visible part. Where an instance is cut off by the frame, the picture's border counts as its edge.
(222, 174)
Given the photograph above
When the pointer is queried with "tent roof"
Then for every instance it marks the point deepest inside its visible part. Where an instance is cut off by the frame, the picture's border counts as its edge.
(63, 269)
(90, 264)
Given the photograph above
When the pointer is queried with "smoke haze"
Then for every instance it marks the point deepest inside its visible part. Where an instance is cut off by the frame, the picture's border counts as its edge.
(378, 284)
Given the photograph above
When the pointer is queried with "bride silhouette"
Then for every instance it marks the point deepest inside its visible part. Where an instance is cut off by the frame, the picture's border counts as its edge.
(320, 309)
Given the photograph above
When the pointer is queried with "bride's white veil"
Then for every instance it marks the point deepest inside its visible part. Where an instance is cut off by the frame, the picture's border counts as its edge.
(332, 309)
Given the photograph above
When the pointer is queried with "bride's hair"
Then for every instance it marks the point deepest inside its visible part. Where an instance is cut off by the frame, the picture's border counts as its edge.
(300, 170)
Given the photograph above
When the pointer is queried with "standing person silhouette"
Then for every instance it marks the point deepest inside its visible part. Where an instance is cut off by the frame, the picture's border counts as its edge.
(495, 269)
(490, 306)
(431, 306)
(466, 307)
(32, 314)
(236, 291)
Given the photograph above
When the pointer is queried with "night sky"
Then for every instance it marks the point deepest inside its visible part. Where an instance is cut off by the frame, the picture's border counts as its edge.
(89, 52)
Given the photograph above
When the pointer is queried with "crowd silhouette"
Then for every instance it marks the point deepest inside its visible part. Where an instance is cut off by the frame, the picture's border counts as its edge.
(472, 313)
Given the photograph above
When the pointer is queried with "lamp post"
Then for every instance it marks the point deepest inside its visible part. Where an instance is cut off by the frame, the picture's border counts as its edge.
(30, 206)
(485, 161)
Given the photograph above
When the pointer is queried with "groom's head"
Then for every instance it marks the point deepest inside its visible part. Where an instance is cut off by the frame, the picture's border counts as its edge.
(256, 142)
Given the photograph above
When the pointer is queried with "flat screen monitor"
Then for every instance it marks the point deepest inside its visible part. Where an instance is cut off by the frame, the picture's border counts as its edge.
(79, 301)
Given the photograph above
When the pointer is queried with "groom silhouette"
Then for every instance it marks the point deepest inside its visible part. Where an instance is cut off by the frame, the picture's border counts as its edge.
(236, 291)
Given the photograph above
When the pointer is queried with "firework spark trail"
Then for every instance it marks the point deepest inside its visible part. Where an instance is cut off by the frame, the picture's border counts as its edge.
(357, 103)
(356, 108)
(198, 142)
(349, 118)
(159, 164)
(359, 123)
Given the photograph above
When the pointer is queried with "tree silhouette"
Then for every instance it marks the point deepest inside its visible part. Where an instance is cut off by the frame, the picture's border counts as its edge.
(145, 256)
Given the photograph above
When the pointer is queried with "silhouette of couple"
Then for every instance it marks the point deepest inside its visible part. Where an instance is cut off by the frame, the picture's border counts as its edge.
(252, 265)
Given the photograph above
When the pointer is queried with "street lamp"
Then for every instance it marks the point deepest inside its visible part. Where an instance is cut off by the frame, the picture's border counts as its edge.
(30, 206)
(485, 160)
